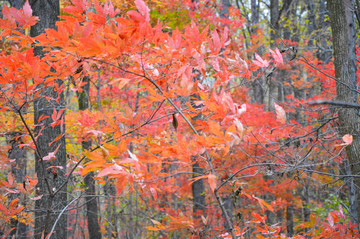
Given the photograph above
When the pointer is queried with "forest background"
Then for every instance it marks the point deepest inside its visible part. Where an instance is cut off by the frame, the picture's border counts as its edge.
(179, 119)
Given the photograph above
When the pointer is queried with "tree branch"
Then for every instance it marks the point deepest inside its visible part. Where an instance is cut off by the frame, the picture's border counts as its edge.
(335, 103)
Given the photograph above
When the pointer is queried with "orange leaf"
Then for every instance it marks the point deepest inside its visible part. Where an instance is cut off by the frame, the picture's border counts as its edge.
(13, 203)
(153, 228)
(3, 209)
(212, 181)
(10, 179)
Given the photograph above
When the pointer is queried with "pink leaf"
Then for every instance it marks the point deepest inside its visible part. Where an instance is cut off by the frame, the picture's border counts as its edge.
(37, 198)
(260, 62)
(280, 113)
(109, 9)
(154, 193)
(114, 169)
(330, 220)
(27, 9)
(50, 157)
(277, 56)
(347, 138)
(143, 9)
(341, 212)
(11, 190)
(216, 42)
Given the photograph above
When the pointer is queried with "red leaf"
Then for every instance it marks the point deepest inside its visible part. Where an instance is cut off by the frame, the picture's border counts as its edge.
(3, 209)
(54, 115)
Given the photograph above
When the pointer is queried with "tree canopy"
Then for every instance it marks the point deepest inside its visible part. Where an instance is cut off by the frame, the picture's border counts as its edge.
(179, 119)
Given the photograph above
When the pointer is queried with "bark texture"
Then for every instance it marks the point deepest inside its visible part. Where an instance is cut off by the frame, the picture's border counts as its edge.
(91, 202)
(18, 170)
(48, 208)
(343, 35)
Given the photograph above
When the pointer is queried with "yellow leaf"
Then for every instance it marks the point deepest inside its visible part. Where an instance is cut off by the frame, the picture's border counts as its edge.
(153, 228)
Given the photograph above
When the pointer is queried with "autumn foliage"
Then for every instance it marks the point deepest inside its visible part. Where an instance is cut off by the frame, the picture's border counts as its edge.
(166, 93)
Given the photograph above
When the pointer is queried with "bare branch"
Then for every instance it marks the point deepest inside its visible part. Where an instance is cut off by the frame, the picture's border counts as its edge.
(335, 103)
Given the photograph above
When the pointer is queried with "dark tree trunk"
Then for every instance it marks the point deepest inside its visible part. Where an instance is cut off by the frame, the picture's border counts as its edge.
(18, 169)
(290, 220)
(198, 189)
(343, 35)
(254, 13)
(91, 202)
(274, 20)
(311, 26)
(225, 5)
(48, 208)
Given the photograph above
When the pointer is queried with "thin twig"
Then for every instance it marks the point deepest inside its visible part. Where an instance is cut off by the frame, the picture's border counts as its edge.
(61, 213)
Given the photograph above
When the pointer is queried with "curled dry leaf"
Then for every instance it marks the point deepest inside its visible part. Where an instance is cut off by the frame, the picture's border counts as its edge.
(280, 113)
(347, 138)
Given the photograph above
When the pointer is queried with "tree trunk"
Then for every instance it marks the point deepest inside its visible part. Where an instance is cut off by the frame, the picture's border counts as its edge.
(225, 5)
(254, 14)
(290, 220)
(91, 202)
(343, 35)
(48, 208)
(18, 169)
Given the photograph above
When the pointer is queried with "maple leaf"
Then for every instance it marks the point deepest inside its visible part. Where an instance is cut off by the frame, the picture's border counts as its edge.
(260, 62)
